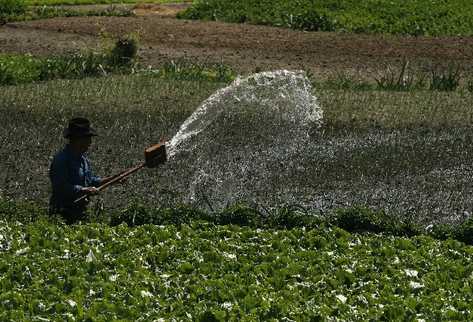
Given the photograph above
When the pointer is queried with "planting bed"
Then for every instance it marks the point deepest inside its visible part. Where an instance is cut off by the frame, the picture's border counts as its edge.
(202, 272)
(246, 48)
(405, 154)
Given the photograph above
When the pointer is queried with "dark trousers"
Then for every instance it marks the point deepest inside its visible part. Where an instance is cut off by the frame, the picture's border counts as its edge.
(70, 215)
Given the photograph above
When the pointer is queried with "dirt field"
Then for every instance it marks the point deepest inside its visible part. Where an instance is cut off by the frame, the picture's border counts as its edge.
(244, 47)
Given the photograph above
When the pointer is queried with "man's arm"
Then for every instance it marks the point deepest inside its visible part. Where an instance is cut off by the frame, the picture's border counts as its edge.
(59, 174)
(97, 181)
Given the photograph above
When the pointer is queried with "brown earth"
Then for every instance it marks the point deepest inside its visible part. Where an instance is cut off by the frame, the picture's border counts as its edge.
(244, 47)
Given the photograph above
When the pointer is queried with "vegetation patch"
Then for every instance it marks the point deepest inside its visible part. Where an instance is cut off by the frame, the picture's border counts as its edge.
(10, 9)
(448, 77)
(186, 70)
(47, 12)
(81, 2)
(354, 220)
(19, 69)
(419, 17)
(201, 271)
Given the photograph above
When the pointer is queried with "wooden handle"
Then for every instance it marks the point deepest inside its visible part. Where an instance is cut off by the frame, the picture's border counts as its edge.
(117, 178)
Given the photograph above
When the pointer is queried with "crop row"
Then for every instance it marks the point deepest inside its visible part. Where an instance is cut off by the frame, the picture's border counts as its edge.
(419, 17)
(20, 69)
(200, 271)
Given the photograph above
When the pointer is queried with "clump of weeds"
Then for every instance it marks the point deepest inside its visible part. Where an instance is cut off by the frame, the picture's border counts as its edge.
(445, 78)
(184, 69)
(399, 79)
(345, 81)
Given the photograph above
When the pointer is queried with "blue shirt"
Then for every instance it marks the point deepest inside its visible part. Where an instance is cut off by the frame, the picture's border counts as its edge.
(69, 174)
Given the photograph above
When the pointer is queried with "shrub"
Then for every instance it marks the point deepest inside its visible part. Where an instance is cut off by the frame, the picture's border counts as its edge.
(18, 69)
(10, 9)
(124, 52)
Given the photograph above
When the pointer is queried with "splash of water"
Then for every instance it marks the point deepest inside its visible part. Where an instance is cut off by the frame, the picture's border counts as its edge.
(245, 139)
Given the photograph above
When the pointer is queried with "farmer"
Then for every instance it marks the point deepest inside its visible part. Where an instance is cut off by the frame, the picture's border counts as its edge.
(71, 174)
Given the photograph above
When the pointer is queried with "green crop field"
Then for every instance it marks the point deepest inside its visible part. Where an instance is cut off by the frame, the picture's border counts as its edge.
(203, 272)
(418, 17)
(207, 271)
(373, 223)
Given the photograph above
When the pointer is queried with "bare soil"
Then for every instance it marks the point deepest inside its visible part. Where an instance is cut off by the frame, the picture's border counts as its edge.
(244, 47)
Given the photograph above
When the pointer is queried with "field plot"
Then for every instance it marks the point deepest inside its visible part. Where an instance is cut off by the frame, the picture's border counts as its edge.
(205, 272)
(395, 144)
(417, 17)
(409, 159)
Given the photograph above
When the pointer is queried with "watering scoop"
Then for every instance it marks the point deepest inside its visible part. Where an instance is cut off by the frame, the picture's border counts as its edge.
(154, 156)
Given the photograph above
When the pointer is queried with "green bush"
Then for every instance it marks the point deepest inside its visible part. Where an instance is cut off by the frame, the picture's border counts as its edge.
(10, 9)
(18, 69)
(124, 52)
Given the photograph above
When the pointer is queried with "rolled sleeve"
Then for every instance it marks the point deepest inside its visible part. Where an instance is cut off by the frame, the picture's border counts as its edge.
(95, 181)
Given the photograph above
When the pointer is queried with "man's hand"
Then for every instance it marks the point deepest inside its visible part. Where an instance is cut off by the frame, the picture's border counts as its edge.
(90, 190)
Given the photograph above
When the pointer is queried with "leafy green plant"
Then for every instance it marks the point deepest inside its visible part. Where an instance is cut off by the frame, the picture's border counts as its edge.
(18, 69)
(204, 272)
(74, 66)
(11, 8)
